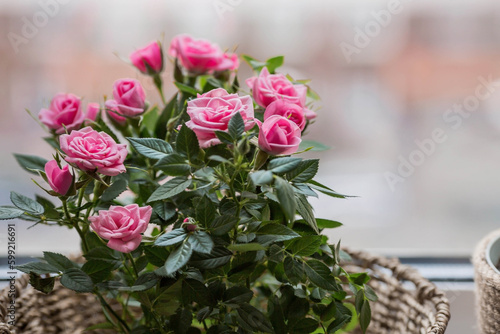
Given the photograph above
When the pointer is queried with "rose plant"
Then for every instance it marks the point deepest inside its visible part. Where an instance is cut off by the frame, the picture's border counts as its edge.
(198, 221)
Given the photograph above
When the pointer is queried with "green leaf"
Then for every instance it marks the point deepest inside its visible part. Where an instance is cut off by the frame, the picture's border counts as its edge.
(173, 165)
(224, 137)
(201, 242)
(327, 223)
(304, 326)
(195, 291)
(31, 163)
(181, 321)
(166, 114)
(325, 190)
(77, 280)
(253, 318)
(178, 258)
(316, 146)
(145, 282)
(40, 268)
(186, 89)
(283, 165)
(365, 316)
(152, 148)
(271, 233)
(251, 247)
(236, 126)
(261, 177)
(165, 210)
(7, 212)
(114, 190)
(172, 238)
(286, 198)
(45, 285)
(156, 255)
(304, 172)
(218, 257)
(168, 300)
(273, 63)
(305, 209)
(294, 270)
(223, 224)
(304, 189)
(59, 261)
(276, 254)
(370, 294)
(27, 204)
(305, 246)
(320, 275)
(187, 143)
(104, 254)
(150, 118)
(98, 270)
(205, 211)
(237, 295)
(171, 188)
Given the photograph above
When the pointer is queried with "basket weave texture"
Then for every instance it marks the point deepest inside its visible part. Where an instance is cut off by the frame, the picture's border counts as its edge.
(487, 288)
(408, 303)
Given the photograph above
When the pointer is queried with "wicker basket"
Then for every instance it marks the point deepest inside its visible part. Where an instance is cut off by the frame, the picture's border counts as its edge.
(408, 303)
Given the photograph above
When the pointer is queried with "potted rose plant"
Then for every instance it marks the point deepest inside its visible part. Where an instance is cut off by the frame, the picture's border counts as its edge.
(194, 214)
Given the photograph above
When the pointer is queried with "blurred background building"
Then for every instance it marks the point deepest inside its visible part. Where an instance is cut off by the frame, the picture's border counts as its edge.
(391, 75)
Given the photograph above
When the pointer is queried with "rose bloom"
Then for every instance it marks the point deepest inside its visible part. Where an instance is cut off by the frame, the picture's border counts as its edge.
(201, 56)
(122, 226)
(278, 135)
(291, 111)
(129, 97)
(93, 151)
(212, 111)
(267, 88)
(149, 55)
(114, 113)
(64, 113)
(60, 180)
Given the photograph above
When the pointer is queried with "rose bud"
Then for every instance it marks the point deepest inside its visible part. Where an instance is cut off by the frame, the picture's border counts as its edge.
(113, 113)
(64, 113)
(122, 226)
(278, 135)
(129, 97)
(149, 59)
(93, 109)
(93, 151)
(60, 180)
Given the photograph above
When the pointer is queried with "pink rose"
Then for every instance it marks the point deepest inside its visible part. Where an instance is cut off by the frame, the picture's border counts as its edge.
(64, 113)
(60, 180)
(93, 109)
(291, 111)
(200, 56)
(212, 111)
(122, 226)
(129, 97)
(93, 151)
(278, 135)
(113, 112)
(149, 55)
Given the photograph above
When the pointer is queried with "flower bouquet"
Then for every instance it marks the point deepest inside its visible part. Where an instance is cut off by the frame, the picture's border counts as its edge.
(193, 214)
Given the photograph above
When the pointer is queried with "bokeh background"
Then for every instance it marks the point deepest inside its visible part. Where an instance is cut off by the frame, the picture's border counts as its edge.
(385, 85)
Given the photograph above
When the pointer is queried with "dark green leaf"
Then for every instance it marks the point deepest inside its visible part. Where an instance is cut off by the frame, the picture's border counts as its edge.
(7, 212)
(39, 268)
(237, 295)
(166, 114)
(76, 280)
(223, 224)
(365, 316)
(305, 246)
(181, 321)
(114, 190)
(370, 294)
(320, 275)
(171, 238)
(27, 204)
(251, 247)
(286, 198)
(304, 189)
(271, 233)
(224, 137)
(169, 299)
(145, 282)
(31, 163)
(205, 211)
(186, 89)
(236, 126)
(195, 291)
(156, 255)
(327, 223)
(304, 326)
(294, 270)
(149, 119)
(98, 270)
(152, 148)
(276, 254)
(178, 258)
(253, 318)
(201, 242)
(59, 261)
(283, 165)
(164, 210)
(187, 143)
(171, 188)
(218, 257)
(304, 172)
(306, 211)
(325, 190)
(261, 177)
(173, 164)
(45, 285)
